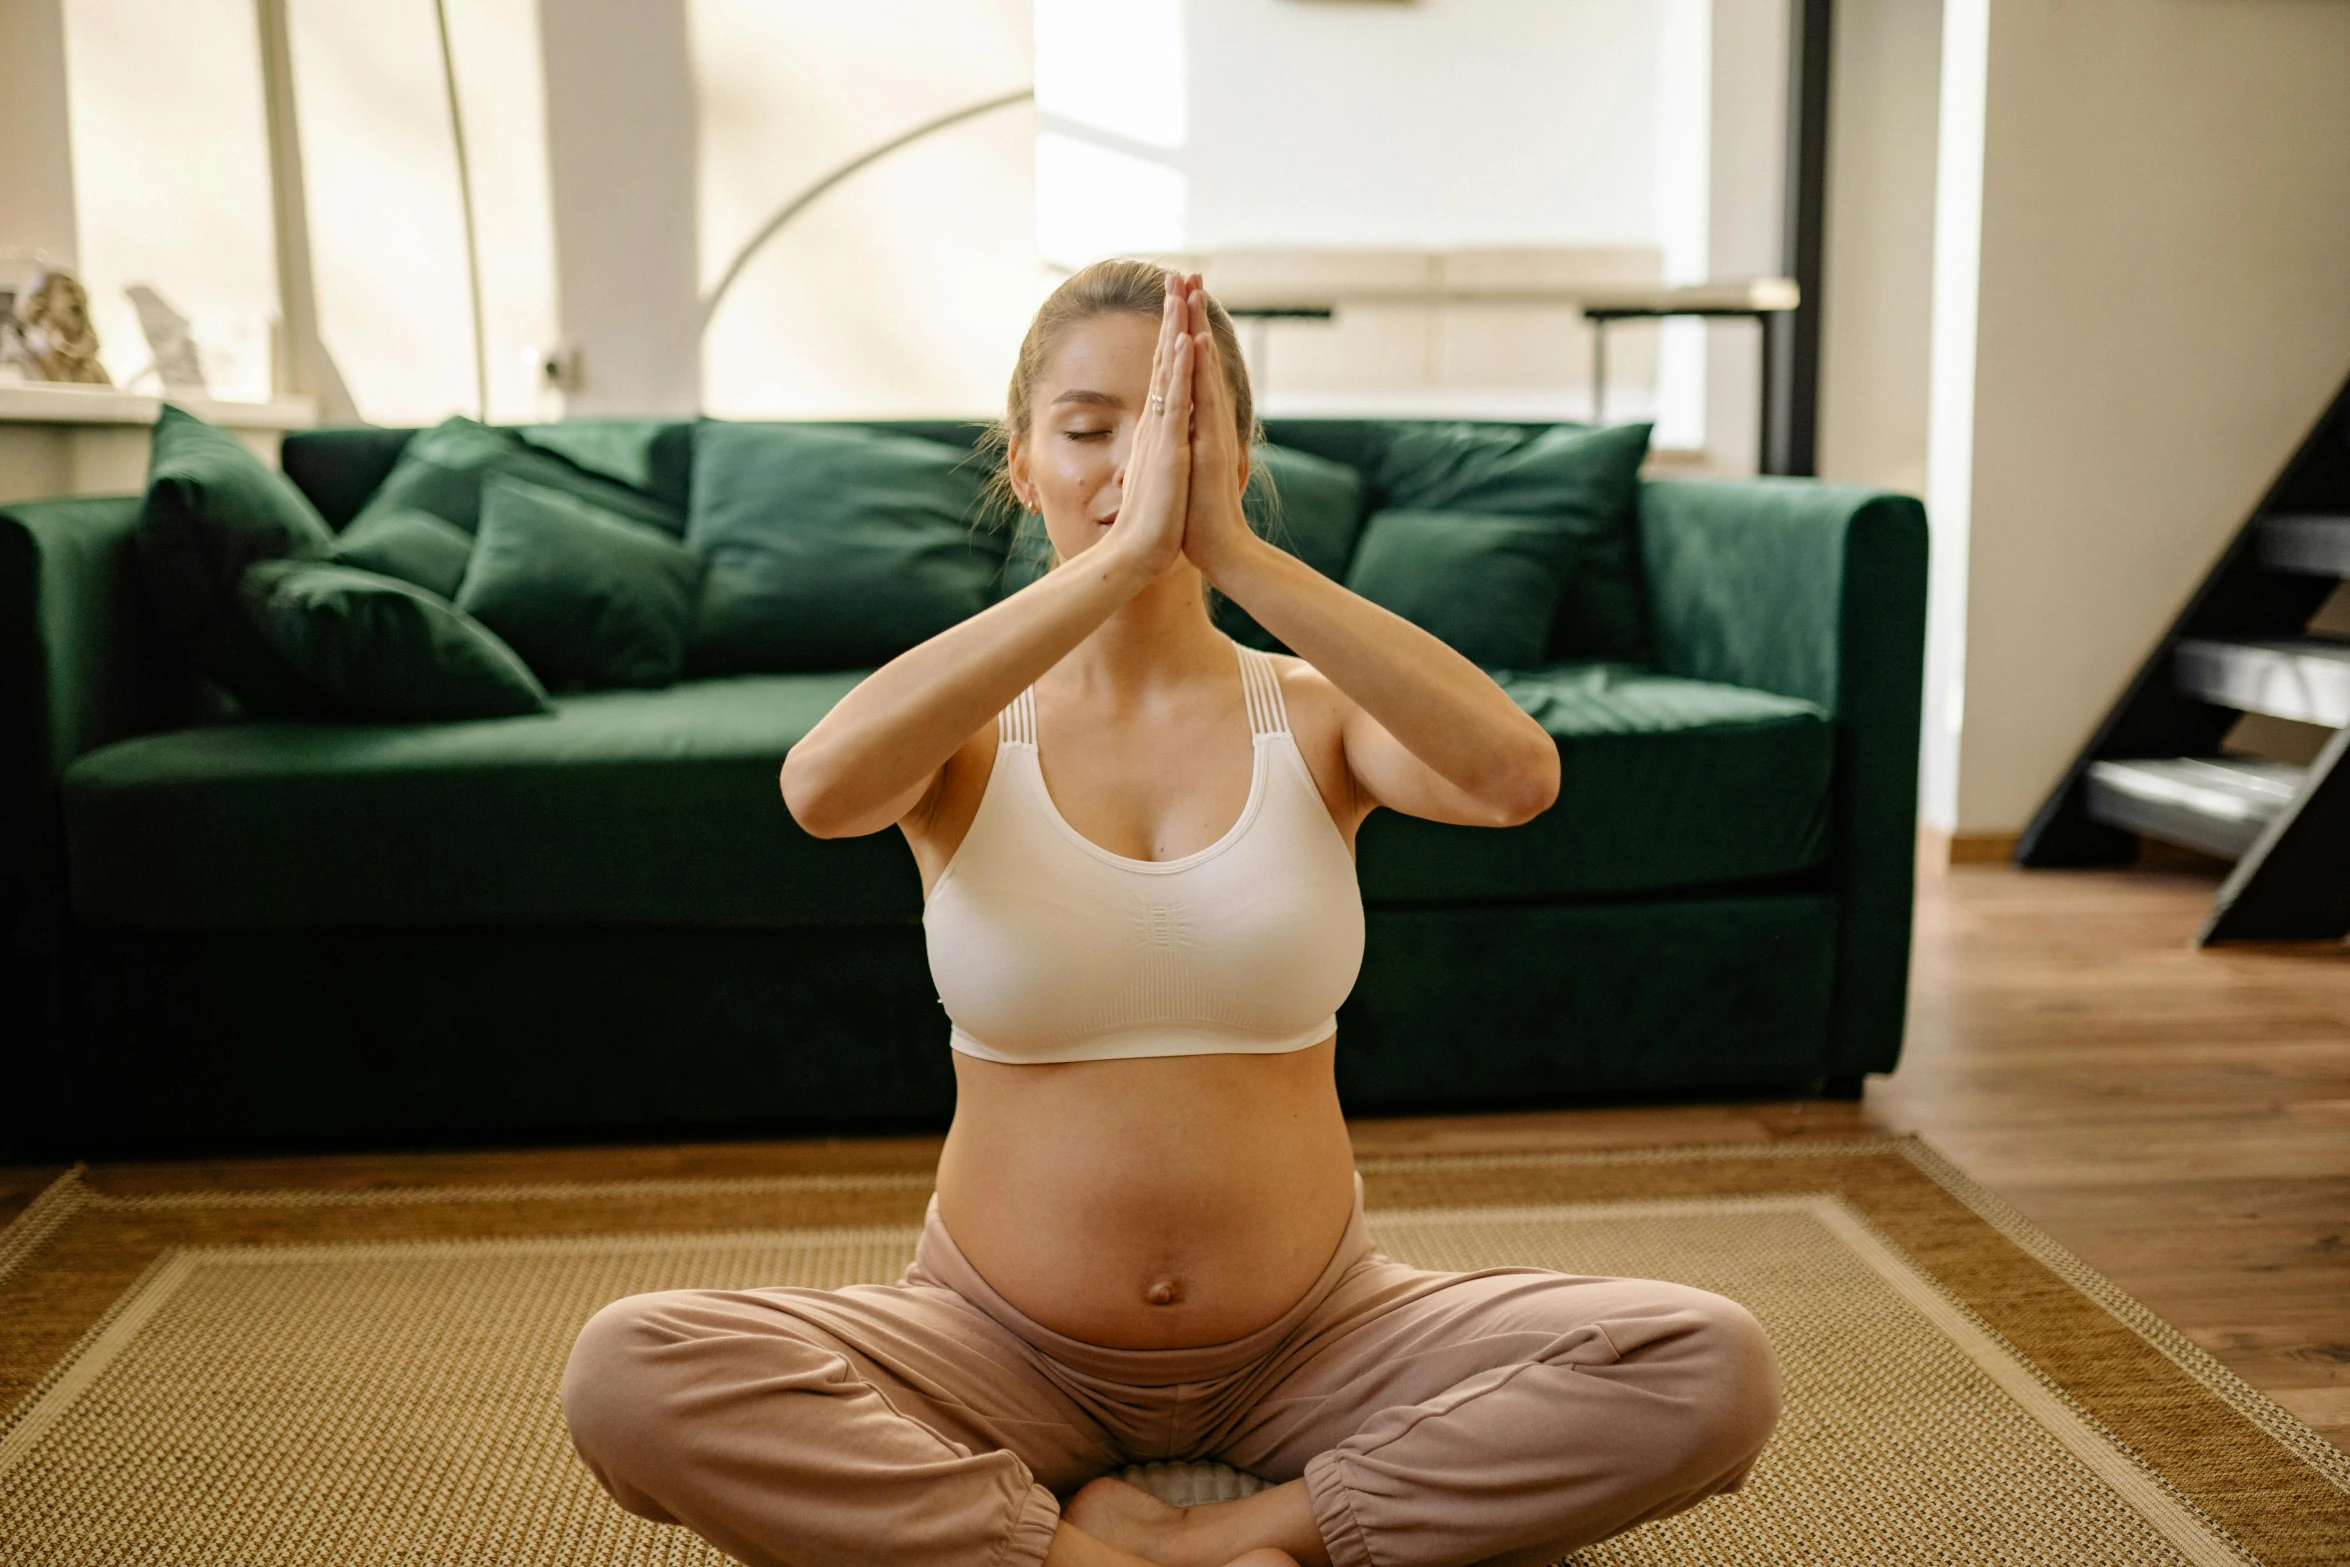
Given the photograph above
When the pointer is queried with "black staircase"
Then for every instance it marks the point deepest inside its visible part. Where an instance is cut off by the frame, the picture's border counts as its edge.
(2243, 644)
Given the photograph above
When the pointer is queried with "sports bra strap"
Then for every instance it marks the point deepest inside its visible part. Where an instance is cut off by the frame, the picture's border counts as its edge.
(1260, 687)
(1267, 715)
(1016, 725)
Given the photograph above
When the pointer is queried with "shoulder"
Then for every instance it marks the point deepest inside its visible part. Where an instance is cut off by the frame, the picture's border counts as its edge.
(1319, 717)
(1302, 682)
(1317, 709)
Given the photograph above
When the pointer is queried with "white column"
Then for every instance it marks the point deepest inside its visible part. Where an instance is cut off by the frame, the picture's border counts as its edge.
(1950, 417)
(36, 167)
(622, 156)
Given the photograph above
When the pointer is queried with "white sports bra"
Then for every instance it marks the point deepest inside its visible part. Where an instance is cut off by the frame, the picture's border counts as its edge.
(1047, 947)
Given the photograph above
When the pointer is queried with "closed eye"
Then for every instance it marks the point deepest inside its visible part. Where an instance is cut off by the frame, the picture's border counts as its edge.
(1085, 435)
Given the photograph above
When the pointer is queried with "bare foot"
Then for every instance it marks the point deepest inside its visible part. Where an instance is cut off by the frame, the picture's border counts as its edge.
(1219, 1534)
(1110, 1523)
(1123, 1515)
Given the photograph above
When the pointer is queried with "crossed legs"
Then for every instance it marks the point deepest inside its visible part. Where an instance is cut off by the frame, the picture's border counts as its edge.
(1428, 1420)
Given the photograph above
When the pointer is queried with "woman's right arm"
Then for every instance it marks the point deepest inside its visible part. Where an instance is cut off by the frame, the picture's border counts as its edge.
(882, 750)
(877, 754)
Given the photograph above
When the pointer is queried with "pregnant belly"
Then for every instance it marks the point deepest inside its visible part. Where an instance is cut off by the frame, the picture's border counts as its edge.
(1156, 1203)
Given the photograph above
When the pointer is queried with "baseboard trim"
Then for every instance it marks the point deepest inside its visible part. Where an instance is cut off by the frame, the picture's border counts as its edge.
(1939, 848)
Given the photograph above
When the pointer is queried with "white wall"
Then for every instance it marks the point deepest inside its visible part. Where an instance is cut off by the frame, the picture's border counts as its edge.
(625, 150)
(622, 172)
(387, 234)
(1630, 138)
(2164, 231)
(1876, 330)
(1449, 123)
(36, 172)
(171, 180)
(905, 290)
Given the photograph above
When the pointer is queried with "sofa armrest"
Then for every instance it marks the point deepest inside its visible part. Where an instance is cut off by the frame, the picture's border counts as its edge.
(78, 669)
(1816, 591)
(82, 666)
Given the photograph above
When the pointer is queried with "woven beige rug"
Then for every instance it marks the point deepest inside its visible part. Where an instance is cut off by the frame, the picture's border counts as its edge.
(307, 1377)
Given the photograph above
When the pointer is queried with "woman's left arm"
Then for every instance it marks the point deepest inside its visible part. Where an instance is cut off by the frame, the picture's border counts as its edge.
(1427, 732)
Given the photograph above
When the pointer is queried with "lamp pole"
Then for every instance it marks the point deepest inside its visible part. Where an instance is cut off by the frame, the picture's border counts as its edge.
(1791, 439)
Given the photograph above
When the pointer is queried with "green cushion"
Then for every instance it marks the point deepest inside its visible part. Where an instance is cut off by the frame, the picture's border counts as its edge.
(1308, 505)
(1663, 783)
(660, 808)
(1586, 480)
(213, 509)
(832, 547)
(414, 546)
(1311, 507)
(442, 471)
(1488, 585)
(341, 467)
(380, 648)
(653, 457)
(588, 598)
(622, 808)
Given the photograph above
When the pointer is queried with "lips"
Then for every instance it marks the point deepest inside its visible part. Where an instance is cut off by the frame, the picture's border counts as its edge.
(1104, 522)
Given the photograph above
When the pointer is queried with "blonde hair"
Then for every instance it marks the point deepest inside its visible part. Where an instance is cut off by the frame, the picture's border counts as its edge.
(1108, 287)
(1119, 287)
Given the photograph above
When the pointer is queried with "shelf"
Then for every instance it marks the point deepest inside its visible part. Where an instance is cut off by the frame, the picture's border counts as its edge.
(36, 402)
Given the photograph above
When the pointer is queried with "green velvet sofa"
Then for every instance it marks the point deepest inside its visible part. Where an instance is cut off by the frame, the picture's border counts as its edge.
(605, 924)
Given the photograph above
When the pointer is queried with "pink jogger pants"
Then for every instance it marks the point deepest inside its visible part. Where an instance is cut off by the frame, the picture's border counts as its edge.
(1508, 1416)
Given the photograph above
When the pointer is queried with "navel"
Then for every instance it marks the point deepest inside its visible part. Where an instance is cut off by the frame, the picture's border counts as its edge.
(1165, 1292)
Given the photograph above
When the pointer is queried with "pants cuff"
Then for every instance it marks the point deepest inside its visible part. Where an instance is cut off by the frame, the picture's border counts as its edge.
(1032, 1535)
(1334, 1512)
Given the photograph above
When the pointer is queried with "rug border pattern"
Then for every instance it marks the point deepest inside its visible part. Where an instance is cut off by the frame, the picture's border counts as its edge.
(2288, 1429)
(71, 1194)
(2174, 1516)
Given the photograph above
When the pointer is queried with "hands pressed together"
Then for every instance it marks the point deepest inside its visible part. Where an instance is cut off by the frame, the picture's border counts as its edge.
(1188, 463)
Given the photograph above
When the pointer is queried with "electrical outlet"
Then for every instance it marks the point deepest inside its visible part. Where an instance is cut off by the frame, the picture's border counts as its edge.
(555, 368)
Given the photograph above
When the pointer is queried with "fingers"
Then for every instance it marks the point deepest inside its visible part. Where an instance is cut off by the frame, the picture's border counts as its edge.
(1172, 317)
(1149, 428)
(1180, 384)
(1213, 394)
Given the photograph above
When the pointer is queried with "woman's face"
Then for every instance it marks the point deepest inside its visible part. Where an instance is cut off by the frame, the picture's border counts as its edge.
(1070, 463)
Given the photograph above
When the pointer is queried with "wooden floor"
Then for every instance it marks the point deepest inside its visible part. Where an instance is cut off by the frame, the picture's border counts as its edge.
(2180, 1118)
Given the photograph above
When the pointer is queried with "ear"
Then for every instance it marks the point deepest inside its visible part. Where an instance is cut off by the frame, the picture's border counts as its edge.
(1016, 470)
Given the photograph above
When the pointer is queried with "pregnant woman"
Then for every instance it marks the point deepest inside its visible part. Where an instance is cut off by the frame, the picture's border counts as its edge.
(1147, 1242)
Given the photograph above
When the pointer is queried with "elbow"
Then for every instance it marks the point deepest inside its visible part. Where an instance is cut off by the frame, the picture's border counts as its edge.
(1528, 786)
(806, 796)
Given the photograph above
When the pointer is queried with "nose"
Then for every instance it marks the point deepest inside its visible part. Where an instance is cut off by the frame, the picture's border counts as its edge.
(1119, 453)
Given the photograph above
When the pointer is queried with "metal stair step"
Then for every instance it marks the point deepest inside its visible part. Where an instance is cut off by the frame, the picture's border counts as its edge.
(2301, 678)
(2313, 546)
(2218, 804)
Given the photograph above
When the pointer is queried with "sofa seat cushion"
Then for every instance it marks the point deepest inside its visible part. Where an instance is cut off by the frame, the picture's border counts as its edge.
(620, 808)
(1663, 783)
(660, 808)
